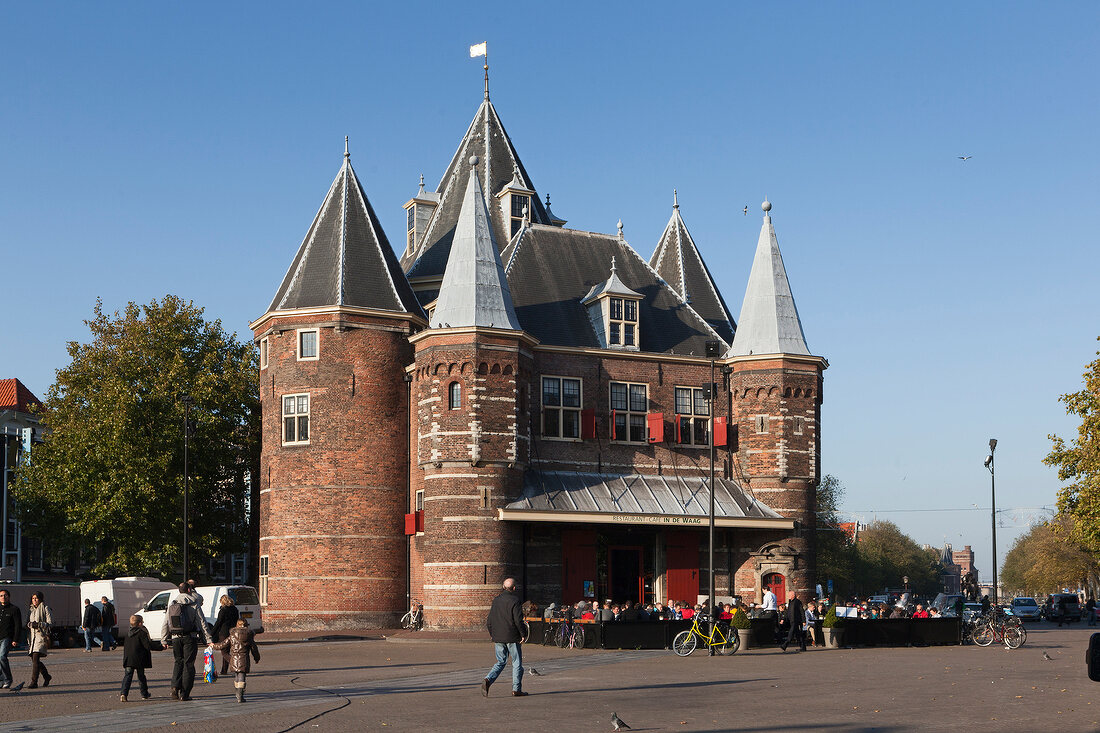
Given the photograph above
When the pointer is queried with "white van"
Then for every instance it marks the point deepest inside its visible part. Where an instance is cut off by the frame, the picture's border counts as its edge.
(244, 597)
(126, 594)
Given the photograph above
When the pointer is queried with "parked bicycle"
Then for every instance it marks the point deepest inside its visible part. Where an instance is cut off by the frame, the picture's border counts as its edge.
(721, 638)
(999, 628)
(413, 620)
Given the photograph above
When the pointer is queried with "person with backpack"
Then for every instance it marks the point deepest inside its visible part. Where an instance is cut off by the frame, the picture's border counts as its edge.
(183, 625)
(108, 619)
(90, 623)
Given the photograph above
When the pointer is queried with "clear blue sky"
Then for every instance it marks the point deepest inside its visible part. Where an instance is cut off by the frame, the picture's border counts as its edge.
(148, 149)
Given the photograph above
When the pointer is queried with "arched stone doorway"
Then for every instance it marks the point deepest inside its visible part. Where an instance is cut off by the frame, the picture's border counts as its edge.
(777, 584)
(772, 567)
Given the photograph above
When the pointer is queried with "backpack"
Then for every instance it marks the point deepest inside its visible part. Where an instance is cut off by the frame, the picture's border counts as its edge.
(179, 621)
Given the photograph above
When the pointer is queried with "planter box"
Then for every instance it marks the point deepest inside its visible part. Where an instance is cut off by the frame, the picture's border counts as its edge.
(833, 637)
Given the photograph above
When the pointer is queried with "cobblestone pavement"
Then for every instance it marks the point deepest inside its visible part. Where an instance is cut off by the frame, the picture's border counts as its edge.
(433, 685)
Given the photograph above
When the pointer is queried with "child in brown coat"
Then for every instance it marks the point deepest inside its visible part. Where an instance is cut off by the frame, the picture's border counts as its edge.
(241, 647)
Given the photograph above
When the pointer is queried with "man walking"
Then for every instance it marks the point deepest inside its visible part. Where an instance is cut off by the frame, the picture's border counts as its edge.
(90, 623)
(796, 619)
(182, 627)
(505, 624)
(11, 623)
(108, 619)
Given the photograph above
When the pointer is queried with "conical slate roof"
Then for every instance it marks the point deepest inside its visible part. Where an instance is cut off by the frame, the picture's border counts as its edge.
(498, 162)
(345, 258)
(678, 261)
(475, 289)
(769, 322)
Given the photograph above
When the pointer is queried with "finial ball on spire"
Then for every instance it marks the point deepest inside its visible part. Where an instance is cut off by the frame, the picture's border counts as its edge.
(766, 206)
(473, 160)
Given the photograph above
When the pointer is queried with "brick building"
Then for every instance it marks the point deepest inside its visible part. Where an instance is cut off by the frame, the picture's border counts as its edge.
(513, 397)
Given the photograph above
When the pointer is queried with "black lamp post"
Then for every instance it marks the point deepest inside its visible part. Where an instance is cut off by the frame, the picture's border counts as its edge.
(186, 398)
(993, 510)
(713, 348)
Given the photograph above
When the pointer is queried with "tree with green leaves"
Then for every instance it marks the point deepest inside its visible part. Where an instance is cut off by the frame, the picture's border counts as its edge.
(885, 555)
(1079, 462)
(835, 551)
(1047, 559)
(108, 479)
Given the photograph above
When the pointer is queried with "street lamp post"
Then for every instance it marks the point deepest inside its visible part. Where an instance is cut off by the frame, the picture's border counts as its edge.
(993, 510)
(186, 477)
(712, 349)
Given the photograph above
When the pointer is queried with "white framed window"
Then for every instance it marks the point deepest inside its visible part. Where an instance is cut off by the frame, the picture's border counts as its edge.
(692, 416)
(561, 407)
(622, 323)
(309, 346)
(799, 424)
(263, 580)
(419, 500)
(520, 204)
(629, 403)
(761, 423)
(263, 353)
(295, 419)
(454, 396)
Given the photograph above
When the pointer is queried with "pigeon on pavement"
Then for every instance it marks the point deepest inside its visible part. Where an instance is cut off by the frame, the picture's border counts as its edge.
(536, 672)
(617, 723)
(1048, 657)
(18, 687)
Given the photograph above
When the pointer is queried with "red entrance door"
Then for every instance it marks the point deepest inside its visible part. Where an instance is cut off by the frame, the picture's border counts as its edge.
(777, 584)
(682, 566)
(578, 563)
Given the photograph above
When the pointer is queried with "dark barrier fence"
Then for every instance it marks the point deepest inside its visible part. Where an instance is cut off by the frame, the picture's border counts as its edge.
(659, 634)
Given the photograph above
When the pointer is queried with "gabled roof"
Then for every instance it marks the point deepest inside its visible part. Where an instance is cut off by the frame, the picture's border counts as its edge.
(498, 162)
(769, 322)
(551, 270)
(678, 261)
(14, 395)
(345, 258)
(474, 290)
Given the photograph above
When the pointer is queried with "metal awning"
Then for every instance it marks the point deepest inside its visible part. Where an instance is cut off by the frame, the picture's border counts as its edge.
(565, 496)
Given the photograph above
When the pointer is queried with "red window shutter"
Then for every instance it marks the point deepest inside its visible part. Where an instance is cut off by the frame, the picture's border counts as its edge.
(678, 438)
(613, 425)
(656, 424)
(588, 424)
(410, 523)
(420, 521)
(719, 431)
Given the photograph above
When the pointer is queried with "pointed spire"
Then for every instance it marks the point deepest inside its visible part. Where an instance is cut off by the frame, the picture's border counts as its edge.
(346, 153)
(421, 191)
(769, 322)
(620, 228)
(675, 201)
(475, 289)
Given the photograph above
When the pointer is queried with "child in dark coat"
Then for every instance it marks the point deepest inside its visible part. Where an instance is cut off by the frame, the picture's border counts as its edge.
(136, 657)
(242, 648)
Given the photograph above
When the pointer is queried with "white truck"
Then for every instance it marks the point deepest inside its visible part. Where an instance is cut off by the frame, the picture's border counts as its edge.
(127, 595)
(245, 598)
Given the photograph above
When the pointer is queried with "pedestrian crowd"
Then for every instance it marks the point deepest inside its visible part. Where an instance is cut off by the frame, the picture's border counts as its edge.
(183, 628)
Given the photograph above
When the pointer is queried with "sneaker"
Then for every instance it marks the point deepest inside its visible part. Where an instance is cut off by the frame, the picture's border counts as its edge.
(122, 698)
(5, 686)
(519, 693)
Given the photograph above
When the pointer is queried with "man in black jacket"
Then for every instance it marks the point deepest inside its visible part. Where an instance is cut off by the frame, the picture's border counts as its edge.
(11, 623)
(505, 624)
(796, 619)
(90, 623)
(108, 619)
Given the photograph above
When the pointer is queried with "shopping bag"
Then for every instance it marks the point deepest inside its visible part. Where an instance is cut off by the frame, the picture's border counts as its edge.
(208, 665)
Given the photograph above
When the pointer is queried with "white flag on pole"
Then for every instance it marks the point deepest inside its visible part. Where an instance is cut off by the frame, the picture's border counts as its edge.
(479, 50)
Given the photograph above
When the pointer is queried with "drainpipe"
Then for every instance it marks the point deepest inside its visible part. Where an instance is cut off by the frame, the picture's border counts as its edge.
(408, 488)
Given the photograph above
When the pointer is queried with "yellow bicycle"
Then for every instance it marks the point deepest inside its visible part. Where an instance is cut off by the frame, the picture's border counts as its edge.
(721, 638)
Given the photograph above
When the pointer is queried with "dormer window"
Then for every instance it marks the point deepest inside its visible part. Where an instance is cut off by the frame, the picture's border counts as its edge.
(520, 206)
(515, 202)
(613, 311)
(622, 322)
(419, 210)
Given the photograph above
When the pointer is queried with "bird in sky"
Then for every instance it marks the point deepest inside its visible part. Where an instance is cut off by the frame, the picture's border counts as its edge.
(745, 210)
(964, 157)
(617, 723)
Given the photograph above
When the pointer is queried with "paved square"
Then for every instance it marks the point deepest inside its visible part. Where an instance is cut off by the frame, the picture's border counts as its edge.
(433, 685)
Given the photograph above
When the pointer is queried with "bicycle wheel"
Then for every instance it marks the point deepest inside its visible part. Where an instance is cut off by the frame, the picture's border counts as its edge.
(1015, 637)
(578, 637)
(549, 634)
(526, 633)
(563, 636)
(684, 643)
(983, 635)
(406, 620)
(728, 645)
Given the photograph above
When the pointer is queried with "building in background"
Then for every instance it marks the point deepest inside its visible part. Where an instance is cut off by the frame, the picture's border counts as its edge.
(511, 397)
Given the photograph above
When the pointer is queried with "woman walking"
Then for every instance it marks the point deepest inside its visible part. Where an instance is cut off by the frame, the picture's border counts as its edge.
(39, 621)
(240, 645)
(227, 621)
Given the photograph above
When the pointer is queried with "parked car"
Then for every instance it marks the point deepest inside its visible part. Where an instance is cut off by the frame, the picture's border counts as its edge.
(1026, 608)
(244, 597)
(1073, 606)
(127, 595)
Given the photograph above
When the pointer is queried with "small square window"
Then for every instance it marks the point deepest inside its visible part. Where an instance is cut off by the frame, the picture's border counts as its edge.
(307, 344)
(263, 353)
(295, 419)
(628, 334)
(617, 309)
(631, 307)
(613, 333)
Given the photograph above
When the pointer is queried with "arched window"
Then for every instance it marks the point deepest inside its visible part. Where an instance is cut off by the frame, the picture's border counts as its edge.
(454, 396)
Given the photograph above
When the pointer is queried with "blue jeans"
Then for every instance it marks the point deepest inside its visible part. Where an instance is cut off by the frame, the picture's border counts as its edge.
(89, 636)
(503, 650)
(5, 666)
(108, 640)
